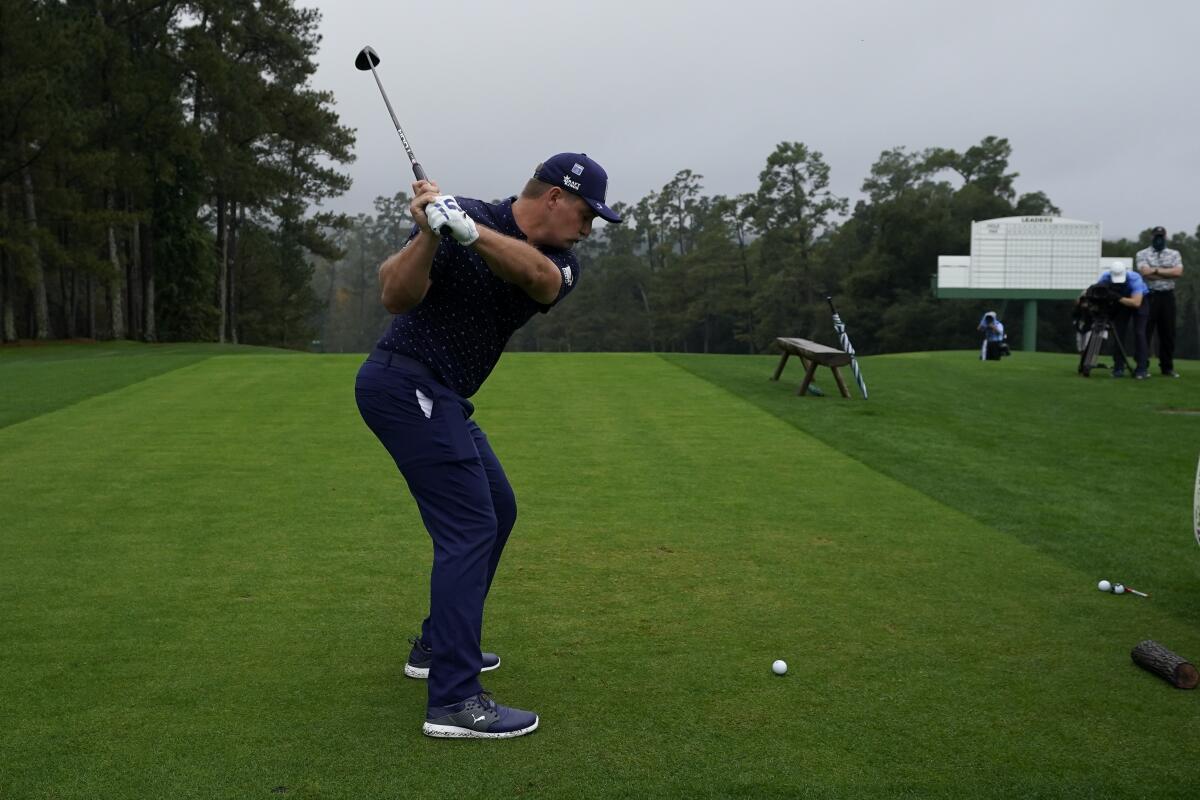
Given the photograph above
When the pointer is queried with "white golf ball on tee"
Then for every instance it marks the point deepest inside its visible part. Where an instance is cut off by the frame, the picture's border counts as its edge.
(779, 667)
(1104, 586)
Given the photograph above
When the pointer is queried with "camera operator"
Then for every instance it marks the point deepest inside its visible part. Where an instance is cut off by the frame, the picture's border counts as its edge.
(1131, 290)
(993, 337)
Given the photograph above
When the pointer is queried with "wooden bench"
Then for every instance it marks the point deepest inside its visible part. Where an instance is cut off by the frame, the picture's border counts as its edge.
(812, 355)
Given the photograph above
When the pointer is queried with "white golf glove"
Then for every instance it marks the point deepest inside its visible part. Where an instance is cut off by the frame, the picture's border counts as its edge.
(443, 213)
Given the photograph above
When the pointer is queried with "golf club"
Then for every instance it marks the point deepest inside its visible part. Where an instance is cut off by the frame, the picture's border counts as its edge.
(1196, 504)
(368, 59)
(840, 328)
(1116, 587)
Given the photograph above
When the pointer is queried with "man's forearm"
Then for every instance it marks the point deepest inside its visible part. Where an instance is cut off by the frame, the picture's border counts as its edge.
(404, 276)
(1148, 271)
(520, 264)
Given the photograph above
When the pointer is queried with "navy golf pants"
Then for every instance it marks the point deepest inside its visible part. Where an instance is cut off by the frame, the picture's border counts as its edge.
(1161, 320)
(464, 498)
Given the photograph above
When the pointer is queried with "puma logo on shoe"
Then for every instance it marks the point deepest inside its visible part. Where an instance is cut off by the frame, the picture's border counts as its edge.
(494, 721)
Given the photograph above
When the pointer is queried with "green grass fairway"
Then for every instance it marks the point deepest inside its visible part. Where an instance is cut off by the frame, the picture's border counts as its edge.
(44, 377)
(210, 568)
(1097, 472)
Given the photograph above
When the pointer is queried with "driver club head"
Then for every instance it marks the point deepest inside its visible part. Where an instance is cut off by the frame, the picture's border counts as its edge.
(367, 58)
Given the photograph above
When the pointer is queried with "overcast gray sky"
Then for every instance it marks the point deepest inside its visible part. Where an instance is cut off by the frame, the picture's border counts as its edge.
(1098, 99)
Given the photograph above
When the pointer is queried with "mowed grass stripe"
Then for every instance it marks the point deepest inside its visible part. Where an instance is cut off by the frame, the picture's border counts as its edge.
(831, 560)
(1092, 472)
(36, 379)
(213, 571)
(157, 534)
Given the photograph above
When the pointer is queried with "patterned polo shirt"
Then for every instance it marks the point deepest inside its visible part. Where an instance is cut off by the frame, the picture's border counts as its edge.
(469, 313)
(1164, 258)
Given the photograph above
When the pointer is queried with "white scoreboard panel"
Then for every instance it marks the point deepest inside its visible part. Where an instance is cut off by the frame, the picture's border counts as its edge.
(1034, 253)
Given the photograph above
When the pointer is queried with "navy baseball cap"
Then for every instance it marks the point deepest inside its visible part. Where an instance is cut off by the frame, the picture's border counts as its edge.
(578, 174)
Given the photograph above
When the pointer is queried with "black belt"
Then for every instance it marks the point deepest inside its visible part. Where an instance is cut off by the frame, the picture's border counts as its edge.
(390, 359)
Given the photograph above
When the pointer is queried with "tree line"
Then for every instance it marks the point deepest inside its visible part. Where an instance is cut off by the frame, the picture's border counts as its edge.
(693, 272)
(158, 162)
(161, 160)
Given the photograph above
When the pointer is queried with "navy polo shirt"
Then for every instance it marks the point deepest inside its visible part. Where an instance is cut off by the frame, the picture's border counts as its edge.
(469, 313)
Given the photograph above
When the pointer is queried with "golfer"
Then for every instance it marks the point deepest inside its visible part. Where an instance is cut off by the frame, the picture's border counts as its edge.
(470, 275)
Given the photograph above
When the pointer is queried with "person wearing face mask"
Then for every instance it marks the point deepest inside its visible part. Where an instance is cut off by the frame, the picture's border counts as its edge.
(1160, 266)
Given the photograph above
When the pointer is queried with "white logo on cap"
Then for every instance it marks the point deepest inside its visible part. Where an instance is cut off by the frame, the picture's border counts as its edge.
(567, 276)
(577, 169)
(570, 184)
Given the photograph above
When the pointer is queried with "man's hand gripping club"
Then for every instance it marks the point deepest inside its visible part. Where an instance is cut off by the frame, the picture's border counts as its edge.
(440, 213)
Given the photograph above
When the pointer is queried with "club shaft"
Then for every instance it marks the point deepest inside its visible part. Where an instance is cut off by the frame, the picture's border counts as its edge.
(418, 170)
(371, 59)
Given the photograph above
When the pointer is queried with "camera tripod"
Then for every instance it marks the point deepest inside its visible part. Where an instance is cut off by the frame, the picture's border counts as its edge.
(1087, 359)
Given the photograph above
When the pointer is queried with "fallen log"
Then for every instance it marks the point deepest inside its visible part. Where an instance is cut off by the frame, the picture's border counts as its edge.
(1171, 667)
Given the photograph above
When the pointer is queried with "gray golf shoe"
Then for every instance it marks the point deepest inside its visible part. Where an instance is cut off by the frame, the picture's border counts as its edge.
(420, 657)
(478, 717)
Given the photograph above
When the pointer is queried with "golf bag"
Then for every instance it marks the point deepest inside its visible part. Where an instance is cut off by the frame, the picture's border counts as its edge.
(1093, 319)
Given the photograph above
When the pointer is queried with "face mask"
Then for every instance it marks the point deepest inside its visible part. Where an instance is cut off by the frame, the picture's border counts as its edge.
(1159, 242)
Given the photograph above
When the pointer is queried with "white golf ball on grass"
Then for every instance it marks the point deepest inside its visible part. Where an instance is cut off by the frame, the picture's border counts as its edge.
(779, 667)
(1104, 586)
(1119, 589)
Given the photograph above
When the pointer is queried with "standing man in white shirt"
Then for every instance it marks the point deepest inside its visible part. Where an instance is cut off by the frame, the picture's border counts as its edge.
(1160, 266)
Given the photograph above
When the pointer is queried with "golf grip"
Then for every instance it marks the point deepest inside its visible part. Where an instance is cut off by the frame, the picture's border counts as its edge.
(419, 174)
